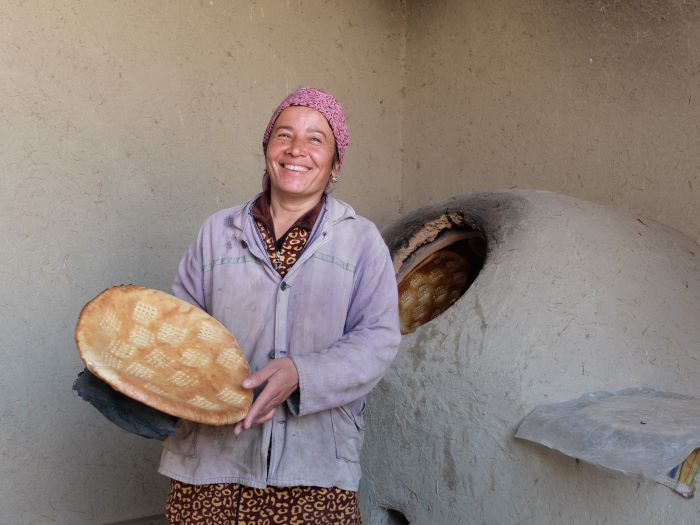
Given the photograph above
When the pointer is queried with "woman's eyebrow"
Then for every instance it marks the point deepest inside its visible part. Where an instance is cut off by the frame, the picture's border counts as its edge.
(316, 130)
(287, 127)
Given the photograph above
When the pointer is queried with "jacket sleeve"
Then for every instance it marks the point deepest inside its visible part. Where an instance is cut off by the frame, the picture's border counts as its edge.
(189, 281)
(348, 369)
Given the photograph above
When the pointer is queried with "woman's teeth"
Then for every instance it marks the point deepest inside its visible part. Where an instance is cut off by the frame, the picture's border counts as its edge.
(294, 167)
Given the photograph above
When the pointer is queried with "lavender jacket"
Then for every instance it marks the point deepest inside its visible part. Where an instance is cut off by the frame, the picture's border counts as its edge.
(334, 314)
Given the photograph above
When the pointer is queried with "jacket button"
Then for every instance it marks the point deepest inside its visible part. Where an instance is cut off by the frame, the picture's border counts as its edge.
(284, 286)
(271, 355)
(244, 244)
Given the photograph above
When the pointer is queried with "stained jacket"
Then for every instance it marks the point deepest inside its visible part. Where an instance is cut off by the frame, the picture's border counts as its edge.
(334, 314)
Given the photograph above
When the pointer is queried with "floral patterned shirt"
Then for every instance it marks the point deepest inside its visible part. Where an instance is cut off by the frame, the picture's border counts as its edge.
(285, 251)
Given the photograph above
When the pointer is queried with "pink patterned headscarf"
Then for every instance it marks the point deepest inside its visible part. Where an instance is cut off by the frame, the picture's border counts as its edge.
(324, 103)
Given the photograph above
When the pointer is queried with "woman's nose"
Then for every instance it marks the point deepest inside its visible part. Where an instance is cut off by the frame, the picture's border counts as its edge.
(297, 147)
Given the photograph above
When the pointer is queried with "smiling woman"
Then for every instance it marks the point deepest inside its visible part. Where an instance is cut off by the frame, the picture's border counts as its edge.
(312, 301)
(300, 158)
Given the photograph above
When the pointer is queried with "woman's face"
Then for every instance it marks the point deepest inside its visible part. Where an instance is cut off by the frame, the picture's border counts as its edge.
(299, 156)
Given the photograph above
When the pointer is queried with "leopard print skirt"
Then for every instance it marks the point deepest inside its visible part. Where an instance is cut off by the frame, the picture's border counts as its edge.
(234, 504)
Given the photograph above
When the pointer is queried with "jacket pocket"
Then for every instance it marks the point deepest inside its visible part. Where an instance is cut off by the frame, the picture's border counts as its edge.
(184, 442)
(348, 430)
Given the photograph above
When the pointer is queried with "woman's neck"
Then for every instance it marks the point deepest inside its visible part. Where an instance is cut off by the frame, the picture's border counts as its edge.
(286, 211)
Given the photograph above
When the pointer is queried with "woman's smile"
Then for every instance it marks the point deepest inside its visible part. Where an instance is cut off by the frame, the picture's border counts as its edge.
(295, 167)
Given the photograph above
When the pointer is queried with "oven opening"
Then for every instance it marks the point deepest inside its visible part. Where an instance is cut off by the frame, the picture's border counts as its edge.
(435, 273)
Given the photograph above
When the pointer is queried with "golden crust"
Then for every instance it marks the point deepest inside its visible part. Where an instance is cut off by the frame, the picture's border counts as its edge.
(165, 353)
(431, 288)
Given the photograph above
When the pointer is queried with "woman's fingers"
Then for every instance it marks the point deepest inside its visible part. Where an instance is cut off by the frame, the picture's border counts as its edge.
(238, 427)
(266, 417)
(282, 379)
(259, 377)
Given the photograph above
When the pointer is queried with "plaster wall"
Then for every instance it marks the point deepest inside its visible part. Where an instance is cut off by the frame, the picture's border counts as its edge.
(595, 99)
(122, 126)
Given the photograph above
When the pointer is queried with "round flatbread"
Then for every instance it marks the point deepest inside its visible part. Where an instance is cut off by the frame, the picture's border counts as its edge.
(165, 353)
(430, 288)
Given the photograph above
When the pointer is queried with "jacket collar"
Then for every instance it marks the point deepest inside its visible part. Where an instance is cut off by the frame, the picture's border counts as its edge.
(334, 212)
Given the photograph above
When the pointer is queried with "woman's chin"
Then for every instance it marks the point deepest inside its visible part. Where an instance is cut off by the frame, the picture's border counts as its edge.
(295, 191)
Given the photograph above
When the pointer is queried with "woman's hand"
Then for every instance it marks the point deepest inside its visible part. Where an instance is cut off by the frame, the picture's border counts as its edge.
(282, 379)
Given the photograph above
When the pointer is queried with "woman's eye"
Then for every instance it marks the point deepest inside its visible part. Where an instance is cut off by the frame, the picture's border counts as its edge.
(316, 140)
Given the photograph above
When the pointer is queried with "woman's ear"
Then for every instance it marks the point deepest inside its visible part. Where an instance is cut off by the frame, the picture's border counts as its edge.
(335, 170)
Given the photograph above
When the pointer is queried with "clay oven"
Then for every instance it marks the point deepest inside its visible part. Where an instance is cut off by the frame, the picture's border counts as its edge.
(573, 297)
